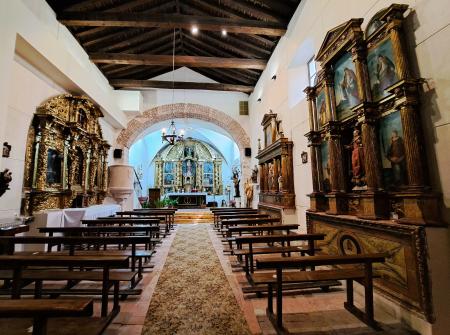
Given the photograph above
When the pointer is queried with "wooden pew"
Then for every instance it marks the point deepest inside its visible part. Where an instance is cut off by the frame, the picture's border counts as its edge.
(72, 242)
(229, 212)
(247, 222)
(120, 221)
(168, 214)
(41, 310)
(19, 262)
(364, 276)
(259, 229)
(240, 216)
(281, 238)
(101, 231)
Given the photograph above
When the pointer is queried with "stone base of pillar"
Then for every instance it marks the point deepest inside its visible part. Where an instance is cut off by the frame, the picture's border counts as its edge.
(337, 203)
(421, 209)
(317, 202)
(373, 206)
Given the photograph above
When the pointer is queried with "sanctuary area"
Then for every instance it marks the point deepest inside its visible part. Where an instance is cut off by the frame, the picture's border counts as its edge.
(224, 167)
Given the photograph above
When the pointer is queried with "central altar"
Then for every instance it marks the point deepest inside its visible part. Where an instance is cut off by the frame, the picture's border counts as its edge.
(188, 169)
(189, 199)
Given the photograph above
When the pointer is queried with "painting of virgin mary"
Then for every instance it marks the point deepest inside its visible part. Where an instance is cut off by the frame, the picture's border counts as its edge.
(382, 71)
(345, 86)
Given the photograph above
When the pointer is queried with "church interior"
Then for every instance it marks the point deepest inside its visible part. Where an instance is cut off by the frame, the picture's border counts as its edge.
(203, 167)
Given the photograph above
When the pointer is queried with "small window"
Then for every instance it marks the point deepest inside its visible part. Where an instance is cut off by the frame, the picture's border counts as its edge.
(312, 71)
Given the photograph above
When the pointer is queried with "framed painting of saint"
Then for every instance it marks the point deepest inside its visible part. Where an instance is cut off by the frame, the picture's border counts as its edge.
(382, 71)
(321, 107)
(392, 151)
(345, 86)
(325, 166)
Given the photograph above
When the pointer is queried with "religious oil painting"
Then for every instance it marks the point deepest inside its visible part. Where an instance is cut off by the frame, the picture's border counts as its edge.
(345, 86)
(169, 170)
(54, 167)
(325, 166)
(321, 108)
(382, 72)
(392, 151)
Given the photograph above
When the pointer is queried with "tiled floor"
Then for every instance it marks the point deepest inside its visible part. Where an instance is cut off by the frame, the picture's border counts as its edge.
(308, 313)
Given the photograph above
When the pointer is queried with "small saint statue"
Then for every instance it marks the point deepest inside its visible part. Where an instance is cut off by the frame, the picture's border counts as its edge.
(271, 176)
(249, 192)
(280, 183)
(236, 182)
(357, 152)
(255, 174)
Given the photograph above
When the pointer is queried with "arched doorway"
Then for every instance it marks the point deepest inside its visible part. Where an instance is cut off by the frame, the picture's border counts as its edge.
(141, 123)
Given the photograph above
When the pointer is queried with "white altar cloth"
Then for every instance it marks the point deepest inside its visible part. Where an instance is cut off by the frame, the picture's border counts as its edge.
(72, 216)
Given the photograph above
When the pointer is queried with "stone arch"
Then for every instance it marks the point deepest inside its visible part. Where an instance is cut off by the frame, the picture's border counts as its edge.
(183, 111)
(190, 111)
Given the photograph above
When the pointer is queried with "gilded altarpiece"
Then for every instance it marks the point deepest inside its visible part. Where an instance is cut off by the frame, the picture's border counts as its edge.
(66, 156)
(370, 187)
(189, 166)
(276, 173)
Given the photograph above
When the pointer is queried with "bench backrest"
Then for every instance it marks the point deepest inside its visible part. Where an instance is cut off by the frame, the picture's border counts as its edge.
(250, 221)
(264, 227)
(100, 229)
(296, 262)
(244, 216)
(279, 238)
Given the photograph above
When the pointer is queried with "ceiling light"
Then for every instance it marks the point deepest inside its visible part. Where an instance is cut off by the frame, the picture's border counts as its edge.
(194, 30)
(224, 32)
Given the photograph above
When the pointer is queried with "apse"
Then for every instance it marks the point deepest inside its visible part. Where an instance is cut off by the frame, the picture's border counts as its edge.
(209, 151)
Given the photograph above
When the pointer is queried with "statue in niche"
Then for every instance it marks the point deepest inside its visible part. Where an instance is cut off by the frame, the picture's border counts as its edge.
(249, 192)
(255, 174)
(396, 155)
(280, 183)
(5, 179)
(236, 182)
(357, 153)
(271, 176)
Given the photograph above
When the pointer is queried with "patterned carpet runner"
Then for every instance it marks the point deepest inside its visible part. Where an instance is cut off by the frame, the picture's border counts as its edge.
(192, 295)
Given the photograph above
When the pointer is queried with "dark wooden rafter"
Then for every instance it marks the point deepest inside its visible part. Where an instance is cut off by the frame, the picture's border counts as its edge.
(170, 21)
(133, 39)
(152, 84)
(201, 7)
(92, 32)
(191, 61)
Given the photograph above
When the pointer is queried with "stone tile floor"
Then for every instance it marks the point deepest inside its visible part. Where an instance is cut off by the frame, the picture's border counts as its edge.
(309, 313)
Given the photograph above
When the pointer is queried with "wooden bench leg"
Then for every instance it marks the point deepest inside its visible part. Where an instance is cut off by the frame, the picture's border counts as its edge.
(279, 298)
(270, 299)
(105, 289)
(39, 326)
(116, 306)
(349, 292)
(38, 289)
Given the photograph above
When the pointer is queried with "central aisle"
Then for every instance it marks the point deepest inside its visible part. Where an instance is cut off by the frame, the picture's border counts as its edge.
(192, 295)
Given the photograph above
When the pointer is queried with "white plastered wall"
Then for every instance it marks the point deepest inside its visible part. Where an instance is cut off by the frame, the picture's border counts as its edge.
(429, 23)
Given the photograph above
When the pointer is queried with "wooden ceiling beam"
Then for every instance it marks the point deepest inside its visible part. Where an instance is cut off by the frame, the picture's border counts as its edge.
(253, 10)
(250, 74)
(221, 74)
(190, 61)
(213, 50)
(158, 84)
(201, 7)
(161, 7)
(143, 20)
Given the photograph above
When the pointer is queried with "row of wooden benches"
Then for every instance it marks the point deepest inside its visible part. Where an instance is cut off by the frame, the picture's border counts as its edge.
(107, 250)
(247, 233)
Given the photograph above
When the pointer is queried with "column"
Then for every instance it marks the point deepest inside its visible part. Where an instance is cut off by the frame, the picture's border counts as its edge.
(413, 154)
(401, 63)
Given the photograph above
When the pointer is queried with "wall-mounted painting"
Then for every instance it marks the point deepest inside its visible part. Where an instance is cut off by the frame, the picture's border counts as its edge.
(392, 151)
(345, 86)
(325, 166)
(382, 74)
(54, 166)
(321, 108)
